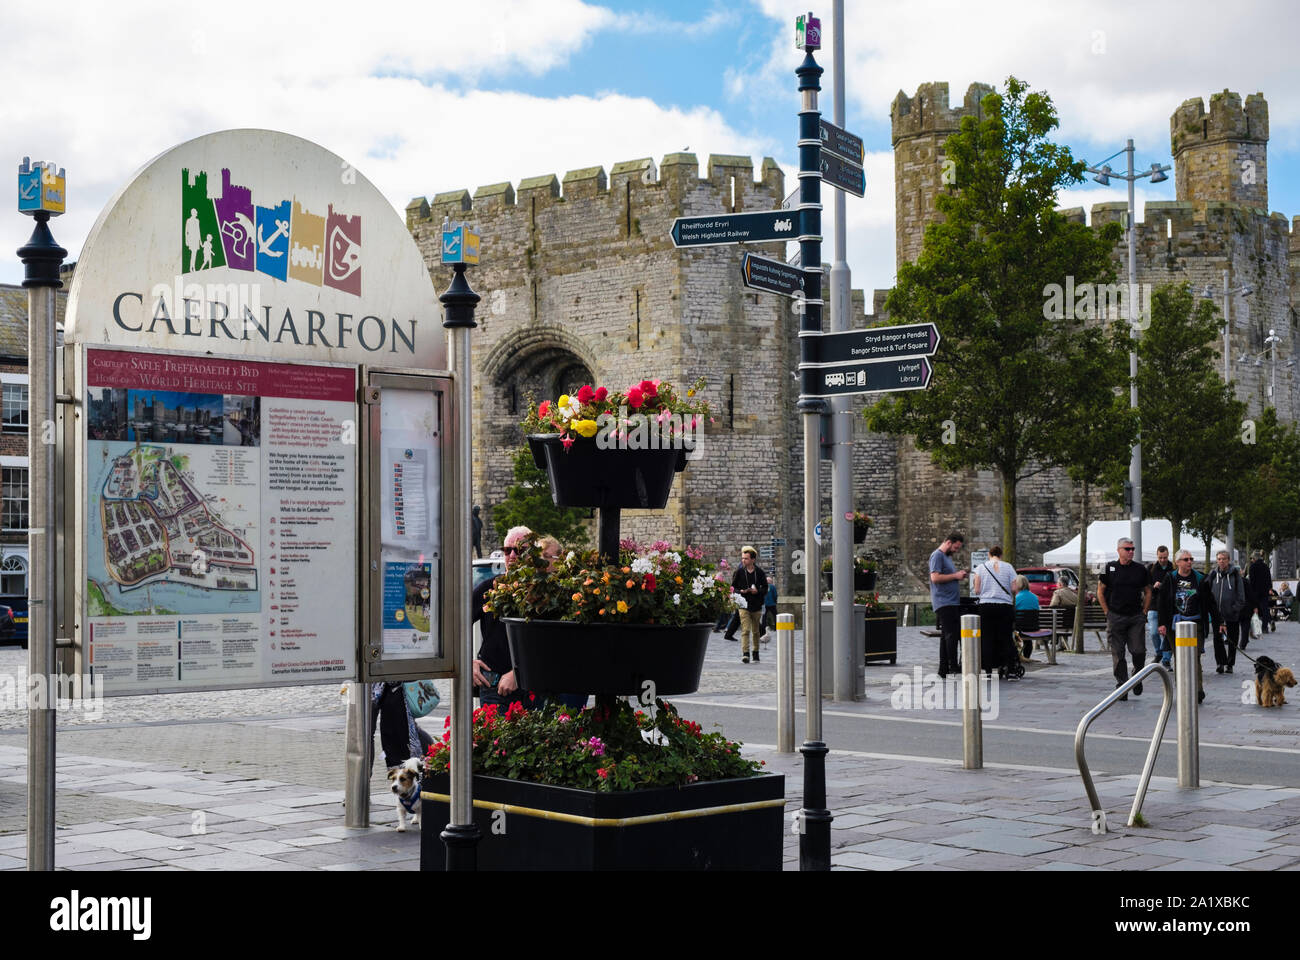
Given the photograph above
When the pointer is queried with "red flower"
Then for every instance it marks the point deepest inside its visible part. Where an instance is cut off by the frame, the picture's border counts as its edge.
(586, 394)
(601, 394)
(602, 773)
(532, 697)
(649, 581)
(649, 389)
(634, 398)
(543, 408)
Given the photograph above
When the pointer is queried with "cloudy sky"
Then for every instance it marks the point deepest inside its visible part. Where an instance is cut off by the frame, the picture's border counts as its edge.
(433, 96)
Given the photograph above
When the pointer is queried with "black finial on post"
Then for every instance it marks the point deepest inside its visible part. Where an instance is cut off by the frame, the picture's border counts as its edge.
(41, 256)
(459, 300)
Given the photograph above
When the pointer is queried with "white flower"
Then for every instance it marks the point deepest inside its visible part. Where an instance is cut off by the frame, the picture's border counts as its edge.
(677, 598)
(698, 585)
(736, 599)
(569, 558)
(574, 406)
(673, 558)
(642, 565)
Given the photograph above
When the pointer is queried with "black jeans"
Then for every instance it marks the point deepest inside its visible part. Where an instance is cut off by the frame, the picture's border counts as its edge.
(394, 734)
(1225, 647)
(949, 620)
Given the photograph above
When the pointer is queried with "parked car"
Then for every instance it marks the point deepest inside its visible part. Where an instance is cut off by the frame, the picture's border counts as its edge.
(13, 620)
(489, 567)
(1045, 581)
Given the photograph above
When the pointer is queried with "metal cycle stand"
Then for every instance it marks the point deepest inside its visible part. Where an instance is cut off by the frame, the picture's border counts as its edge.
(1099, 814)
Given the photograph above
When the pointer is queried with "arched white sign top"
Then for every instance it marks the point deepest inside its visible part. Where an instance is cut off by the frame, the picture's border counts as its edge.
(257, 244)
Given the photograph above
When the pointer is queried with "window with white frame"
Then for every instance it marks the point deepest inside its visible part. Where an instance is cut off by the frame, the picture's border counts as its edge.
(13, 576)
(15, 406)
(13, 498)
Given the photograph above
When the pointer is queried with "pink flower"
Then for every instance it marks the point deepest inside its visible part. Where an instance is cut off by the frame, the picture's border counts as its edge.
(597, 747)
(601, 394)
(635, 398)
(567, 441)
(650, 388)
(602, 773)
(564, 718)
(543, 408)
(586, 394)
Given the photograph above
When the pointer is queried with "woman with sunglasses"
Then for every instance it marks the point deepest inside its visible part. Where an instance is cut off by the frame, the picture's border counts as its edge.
(494, 670)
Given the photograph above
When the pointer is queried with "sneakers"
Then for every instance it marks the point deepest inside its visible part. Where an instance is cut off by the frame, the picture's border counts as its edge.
(1219, 669)
(1228, 669)
(733, 639)
(1137, 689)
(754, 655)
(744, 658)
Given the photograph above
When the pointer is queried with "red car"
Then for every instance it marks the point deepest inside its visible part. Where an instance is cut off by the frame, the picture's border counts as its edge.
(1045, 581)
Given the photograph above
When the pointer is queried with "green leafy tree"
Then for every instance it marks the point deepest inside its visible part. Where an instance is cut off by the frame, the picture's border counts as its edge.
(528, 503)
(1001, 388)
(1190, 419)
(1093, 443)
(1266, 506)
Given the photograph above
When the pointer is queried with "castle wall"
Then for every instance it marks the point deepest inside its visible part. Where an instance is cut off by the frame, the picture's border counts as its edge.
(583, 277)
(580, 281)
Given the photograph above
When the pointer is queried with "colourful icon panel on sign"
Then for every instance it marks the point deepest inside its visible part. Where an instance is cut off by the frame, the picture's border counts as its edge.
(41, 186)
(286, 241)
(459, 245)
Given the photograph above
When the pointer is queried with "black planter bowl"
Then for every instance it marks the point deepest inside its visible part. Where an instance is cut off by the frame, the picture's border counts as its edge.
(616, 658)
(719, 825)
(882, 636)
(586, 476)
(862, 579)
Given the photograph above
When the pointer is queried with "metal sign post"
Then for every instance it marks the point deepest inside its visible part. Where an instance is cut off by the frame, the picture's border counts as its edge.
(41, 258)
(815, 819)
(461, 835)
(785, 683)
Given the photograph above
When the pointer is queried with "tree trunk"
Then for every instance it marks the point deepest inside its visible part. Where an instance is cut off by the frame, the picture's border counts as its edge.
(1207, 554)
(1176, 525)
(1077, 640)
(1009, 516)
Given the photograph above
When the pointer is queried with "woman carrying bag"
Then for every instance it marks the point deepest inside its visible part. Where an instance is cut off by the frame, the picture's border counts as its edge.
(992, 582)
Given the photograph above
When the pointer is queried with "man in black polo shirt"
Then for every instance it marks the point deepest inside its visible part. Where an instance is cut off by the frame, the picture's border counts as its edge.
(1125, 596)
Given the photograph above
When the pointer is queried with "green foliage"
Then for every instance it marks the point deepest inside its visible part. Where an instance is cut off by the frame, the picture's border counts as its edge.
(663, 586)
(1266, 504)
(1005, 373)
(599, 748)
(1192, 448)
(528, 503)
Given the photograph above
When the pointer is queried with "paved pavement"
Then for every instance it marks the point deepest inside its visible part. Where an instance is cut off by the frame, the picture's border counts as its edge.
(252, 779)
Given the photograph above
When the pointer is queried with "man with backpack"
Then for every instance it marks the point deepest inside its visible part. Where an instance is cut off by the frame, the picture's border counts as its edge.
(1229, 590)
(1185, 595)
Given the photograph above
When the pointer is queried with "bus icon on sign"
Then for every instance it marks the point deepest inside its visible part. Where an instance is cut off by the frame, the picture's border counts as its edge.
(834, 379)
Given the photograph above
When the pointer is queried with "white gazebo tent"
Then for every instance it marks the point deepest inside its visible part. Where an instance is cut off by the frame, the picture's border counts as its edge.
(1104, 534)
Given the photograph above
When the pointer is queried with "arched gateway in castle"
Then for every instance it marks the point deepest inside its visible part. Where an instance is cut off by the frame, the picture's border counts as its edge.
(581, 283)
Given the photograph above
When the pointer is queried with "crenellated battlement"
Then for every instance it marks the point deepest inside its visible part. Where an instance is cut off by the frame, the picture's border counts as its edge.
(670, 182)
(1191, 126)
(928, 111)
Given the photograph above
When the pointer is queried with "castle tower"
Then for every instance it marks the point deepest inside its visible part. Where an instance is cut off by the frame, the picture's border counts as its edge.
(920, 125)
(1223, 155)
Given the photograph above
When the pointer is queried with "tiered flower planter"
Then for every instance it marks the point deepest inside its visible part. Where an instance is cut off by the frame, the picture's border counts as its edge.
(716, 825)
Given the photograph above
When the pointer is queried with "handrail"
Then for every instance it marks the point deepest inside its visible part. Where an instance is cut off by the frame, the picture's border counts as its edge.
(1096, 712)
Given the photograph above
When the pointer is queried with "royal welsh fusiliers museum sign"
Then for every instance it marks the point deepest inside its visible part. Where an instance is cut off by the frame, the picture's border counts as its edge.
(224, 307)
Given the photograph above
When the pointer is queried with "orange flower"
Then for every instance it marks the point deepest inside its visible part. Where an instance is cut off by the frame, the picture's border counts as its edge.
(588, 582)
(577, 598)
(602, 611)
(630, 584)
(627, 569)
(679, 580)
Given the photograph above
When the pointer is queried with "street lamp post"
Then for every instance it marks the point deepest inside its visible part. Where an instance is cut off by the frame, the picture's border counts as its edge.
(1102, 175)
(1245, 290)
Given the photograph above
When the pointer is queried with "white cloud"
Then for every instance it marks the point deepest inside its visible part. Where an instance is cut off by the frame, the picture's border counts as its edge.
(140, 78)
